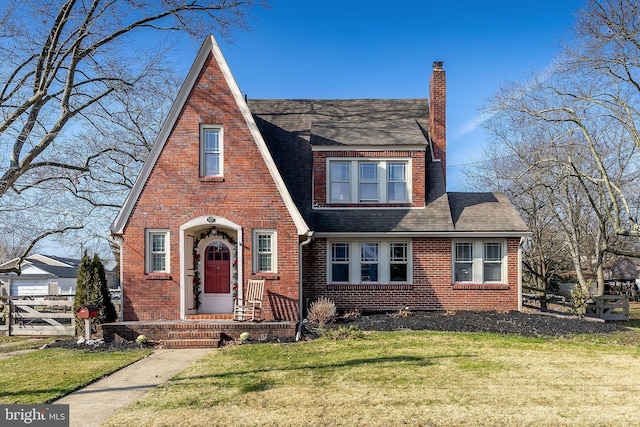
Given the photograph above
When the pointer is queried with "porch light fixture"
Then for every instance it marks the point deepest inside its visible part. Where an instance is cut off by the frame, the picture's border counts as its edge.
(211, 219)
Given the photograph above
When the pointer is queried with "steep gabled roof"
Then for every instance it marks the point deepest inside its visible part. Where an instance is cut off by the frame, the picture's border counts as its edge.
(209, 47)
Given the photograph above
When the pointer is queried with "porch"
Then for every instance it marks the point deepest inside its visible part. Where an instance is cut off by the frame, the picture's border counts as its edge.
(199, 331)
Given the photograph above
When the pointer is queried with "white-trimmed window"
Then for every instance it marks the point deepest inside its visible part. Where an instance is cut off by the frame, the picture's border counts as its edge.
(211, 154)
(397, 182)
(372, 262)
(340, 182)
(157, 251)
(479, 261)
(398, 262)
(339, 263)
(368, 181)
(264, 251)
(369, 262)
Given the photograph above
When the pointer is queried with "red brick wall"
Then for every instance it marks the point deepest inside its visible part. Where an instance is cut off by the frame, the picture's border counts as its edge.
(417, 176)
(175, 193)
(432, 287)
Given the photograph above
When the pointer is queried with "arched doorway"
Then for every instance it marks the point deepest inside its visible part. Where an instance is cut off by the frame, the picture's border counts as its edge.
(217, 293)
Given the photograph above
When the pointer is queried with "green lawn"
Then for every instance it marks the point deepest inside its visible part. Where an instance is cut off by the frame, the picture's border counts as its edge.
(45, 375)
(404, 378)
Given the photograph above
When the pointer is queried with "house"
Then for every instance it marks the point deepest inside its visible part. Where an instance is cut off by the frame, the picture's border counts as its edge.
(338, 198)
(46, 275)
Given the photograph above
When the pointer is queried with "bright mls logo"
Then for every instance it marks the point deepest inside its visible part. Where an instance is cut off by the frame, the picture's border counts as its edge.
(34, 415)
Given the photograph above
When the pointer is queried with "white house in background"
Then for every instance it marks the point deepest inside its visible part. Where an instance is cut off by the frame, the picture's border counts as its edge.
(47, 275)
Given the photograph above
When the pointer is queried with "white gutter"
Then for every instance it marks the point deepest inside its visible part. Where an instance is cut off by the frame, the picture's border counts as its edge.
(306, 242)
(451, 234)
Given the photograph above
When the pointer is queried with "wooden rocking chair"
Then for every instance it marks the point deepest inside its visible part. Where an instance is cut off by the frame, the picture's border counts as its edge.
(250, 307)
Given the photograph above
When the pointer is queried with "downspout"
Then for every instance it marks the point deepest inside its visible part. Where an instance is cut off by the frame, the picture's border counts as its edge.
(301, 303)
(120, 241)
(520, 273)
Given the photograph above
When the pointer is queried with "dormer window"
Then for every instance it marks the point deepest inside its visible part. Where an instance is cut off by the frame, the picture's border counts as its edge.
(368, 181)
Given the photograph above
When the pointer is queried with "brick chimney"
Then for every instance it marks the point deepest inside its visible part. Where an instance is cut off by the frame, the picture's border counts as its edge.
(438, 115)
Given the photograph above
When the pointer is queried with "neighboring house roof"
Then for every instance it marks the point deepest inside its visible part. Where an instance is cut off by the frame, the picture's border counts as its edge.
(51, 265)
(209, 47)
(293, 128)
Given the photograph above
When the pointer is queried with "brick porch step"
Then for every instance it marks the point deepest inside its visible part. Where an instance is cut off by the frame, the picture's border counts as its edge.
(199, 338)
(191, 343)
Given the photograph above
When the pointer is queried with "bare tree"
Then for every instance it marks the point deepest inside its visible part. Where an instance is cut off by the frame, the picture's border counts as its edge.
(574, 128)
(83, 89)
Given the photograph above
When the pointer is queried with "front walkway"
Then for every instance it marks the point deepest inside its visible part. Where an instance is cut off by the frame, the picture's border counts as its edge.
(99, 401)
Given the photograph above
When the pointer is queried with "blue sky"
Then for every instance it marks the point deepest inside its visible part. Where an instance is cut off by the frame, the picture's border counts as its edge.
(374, 49)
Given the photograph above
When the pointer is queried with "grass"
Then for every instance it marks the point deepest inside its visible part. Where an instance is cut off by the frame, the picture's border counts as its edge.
(404, 378)
(46, 375)
(10, 344)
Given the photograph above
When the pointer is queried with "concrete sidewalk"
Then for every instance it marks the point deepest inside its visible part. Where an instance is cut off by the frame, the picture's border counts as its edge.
(92, 405)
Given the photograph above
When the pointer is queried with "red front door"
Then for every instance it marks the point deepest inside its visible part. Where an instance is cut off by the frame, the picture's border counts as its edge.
(217, 269)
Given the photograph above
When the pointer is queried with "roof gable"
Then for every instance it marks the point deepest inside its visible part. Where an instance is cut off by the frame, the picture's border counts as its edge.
(209, 47)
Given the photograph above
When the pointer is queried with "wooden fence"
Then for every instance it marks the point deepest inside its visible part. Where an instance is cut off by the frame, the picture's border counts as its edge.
(38, 317)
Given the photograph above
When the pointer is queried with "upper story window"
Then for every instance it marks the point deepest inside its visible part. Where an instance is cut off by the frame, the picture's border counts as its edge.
(157, 251)
(211, 154)
(368, 181)
(479, 261)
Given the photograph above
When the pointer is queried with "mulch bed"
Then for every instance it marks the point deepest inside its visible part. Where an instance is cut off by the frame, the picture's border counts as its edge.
(513, 322)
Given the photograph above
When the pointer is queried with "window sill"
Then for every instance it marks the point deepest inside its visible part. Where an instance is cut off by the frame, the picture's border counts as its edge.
(211, 179)
(265, 276)
(480, 286)
(158, 276)
(371, 286)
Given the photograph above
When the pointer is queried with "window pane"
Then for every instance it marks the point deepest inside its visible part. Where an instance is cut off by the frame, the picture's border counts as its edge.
(340, 252)
(397, 192)
(368, 172)
(398, 251)
(264, 243)
(369, 272)
(264, 262)
(157, 244)
(493, 252)
(492, 272)
(398, 272)
(397, 172)
(368, 192)
(340, 192)
(463, 272)
(212, 164)
(340, 171)
(369, 252)
(340, 272)
(159, 262)
(211, 140)
(464, 252)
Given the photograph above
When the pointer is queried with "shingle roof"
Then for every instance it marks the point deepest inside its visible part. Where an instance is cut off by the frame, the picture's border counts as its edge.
(291, 127)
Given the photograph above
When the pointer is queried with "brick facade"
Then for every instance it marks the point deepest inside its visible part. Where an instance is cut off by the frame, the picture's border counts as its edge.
(247, 197)
(174, 193)
(432, 287)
